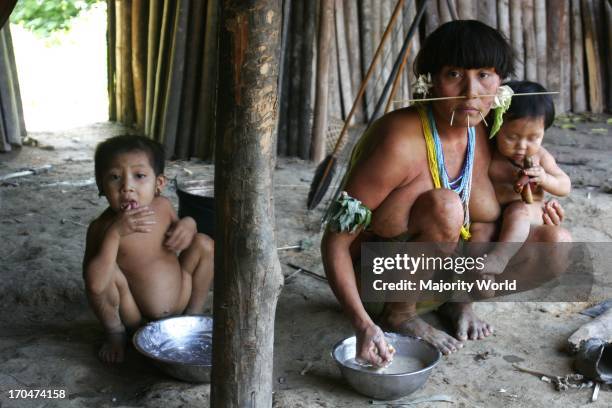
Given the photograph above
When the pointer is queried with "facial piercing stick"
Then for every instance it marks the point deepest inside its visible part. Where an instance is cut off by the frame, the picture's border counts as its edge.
(483, 119)
(478, 96)
(452, 117)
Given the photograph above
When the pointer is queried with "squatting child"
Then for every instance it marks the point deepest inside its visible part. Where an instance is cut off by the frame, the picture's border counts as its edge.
(141, 261)
(521, 137)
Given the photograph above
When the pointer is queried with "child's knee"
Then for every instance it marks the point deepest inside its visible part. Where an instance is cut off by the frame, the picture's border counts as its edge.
(516, 210)
(205, 245)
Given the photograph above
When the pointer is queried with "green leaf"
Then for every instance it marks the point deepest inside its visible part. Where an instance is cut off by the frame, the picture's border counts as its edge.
(568, 126)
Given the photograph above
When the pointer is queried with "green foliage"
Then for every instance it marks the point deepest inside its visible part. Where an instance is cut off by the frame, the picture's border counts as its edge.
(349, 214)
(45, 17)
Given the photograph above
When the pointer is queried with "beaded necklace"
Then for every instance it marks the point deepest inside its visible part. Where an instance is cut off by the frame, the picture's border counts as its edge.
(462, 185)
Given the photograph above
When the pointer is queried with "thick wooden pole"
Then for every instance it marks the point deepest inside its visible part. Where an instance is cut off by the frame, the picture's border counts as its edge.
(297, 36)
(155, 15)
(486, 12)
(367, 52)
(539, 15)
(125, 84)
(531, 59)
(556, 19)
(516, 37)
(247, 271)
(111, 67)
(344, 77)
(352, 40)
(591, 46)
(140, 13)
(319, 126)
(205, 126)
(503, 17)
(577, 82)
(309, 24)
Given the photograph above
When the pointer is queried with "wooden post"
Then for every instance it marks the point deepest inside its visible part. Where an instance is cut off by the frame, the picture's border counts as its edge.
(139, 23)
(297, 15)
(16, 88)
(516, 37)
(531, 59)
(9, 113)
(205, 126)
(367, 51)
(487, 12)
(540, 32)
(284, 80)
(555, 19)
(503, 17)
(111, 66)
(174, 86)
(432, 20)
(344, 77)
(309, 24)
(577, 82)
(592, 57)
(125, 84)
(319, 127)
(445, 13)
(352, 40)
(155, 15)
(566, 57)
(247, 271)
(161, 70)
(466, 9)
(608, 10)
(186, 139)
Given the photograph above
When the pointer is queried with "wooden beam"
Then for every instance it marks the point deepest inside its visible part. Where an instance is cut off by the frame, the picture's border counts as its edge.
(247, 271)
(325, 37)
(577, 81)
(539, 15)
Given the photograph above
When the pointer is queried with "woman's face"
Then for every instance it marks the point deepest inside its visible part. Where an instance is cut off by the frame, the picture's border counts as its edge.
(455, 81)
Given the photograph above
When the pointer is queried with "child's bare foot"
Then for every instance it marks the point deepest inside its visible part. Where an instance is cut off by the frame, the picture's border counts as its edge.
(113, 349)
(467, 324)
(415, 326)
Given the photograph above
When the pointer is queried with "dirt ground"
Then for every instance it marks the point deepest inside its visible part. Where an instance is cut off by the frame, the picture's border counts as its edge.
(49, 338)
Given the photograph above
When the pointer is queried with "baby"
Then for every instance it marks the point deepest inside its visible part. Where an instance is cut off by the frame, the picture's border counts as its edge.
(520, 138)
(131, 268)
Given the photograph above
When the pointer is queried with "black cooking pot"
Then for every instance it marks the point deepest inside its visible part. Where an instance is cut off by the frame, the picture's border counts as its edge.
(198, 206)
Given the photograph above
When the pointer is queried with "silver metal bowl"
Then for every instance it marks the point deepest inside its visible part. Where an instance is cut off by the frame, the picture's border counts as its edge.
(181, 346)
(412, 364)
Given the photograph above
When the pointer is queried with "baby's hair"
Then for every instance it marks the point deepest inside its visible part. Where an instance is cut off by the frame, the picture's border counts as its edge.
(107, 150)
(465, 44)
(530, 106)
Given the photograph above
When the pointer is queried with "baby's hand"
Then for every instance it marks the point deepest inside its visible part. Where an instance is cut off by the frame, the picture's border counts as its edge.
(137, 220)
(180, 234)
(553, 213)
(536, 174)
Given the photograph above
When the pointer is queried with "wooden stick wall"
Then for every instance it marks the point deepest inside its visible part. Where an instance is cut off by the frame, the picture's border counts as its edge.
(163, 71)
(164, 64)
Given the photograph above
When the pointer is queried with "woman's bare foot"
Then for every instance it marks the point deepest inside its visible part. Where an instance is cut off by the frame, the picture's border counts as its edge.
(113, 349)
(415, 326)
(467, 324)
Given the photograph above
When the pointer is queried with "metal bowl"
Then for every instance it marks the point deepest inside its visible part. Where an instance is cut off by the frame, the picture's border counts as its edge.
(181, 346)
(412, 364)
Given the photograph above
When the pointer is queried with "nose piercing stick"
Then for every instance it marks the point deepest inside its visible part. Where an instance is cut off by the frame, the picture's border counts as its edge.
(483, 119)
(452, 117)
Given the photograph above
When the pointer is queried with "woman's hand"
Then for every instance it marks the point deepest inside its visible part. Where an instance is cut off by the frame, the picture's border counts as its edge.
(372, 347)
(180, 234)
(553, 213)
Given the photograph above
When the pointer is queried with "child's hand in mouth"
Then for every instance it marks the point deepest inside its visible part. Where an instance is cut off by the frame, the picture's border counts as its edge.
(129, 205)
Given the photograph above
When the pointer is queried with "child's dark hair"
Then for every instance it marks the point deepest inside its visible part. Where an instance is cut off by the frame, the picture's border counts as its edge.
(466, 44)
(107, 150)
(530, 106)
